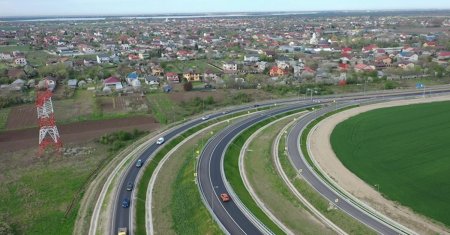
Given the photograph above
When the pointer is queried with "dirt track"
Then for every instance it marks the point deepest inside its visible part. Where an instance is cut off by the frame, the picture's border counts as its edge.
(322, 151)
(76, 132)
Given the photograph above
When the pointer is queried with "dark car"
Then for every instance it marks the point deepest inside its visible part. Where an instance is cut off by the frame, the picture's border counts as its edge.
(256, 105)
(139, 163)
(130, 186)
(126, 203)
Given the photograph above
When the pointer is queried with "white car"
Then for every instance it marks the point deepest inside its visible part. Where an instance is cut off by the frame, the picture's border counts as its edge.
(160, 141)
(205, 117)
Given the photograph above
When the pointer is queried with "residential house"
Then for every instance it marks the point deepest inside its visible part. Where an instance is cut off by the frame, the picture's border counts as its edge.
(406, 65)
(125, 47)
(17, 85)
(88, 50)
(133, 57)
(444, 55)
(157, 70)
(5, 56)
(190, 75)
(261, 66)
(113, 83)
(276, 71)
(308, 72)
(103, 59)
(251, 58)
(364, 68)
(208, 76)
(151, 80)
(430, 44)
(172, 77)
(369, 48)
(131, 77)
(20, 61)
(184, 55)
(230, 67)
(72, 83)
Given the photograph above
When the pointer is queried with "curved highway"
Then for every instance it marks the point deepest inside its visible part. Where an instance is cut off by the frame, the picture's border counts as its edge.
(121, 216)
(212, 182)
(211, 179)
(301, 165)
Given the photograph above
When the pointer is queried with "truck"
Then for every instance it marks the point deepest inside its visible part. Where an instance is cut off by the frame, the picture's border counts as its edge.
(122, 231)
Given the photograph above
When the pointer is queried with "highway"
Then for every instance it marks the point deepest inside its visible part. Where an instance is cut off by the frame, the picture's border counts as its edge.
(211, 178)
(214, 185)
(122, 216)
(300, 163)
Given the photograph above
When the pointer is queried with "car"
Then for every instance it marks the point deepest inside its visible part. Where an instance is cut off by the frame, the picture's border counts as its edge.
(139, 163)
(160, 141)
(205, 117)
(130, 186)
(126, 203)
(225, 197)
(256, 105)
(123, 231)
(225, 112)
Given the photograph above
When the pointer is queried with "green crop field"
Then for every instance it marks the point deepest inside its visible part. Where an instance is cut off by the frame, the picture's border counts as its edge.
(403, 151)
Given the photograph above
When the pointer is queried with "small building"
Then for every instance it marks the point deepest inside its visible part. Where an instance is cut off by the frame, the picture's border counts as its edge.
(151, 80)
(229, 66)
(190, 75)
(103, 59)
(131, 77)
(172, 77)
(72, 83)
(17, 85)
(20, 61)
(113, 83)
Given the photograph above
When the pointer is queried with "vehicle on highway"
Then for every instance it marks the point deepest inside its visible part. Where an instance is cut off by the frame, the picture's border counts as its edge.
(123, 231)
(160, 141)
(126, 202)
(139, 163)
(205, 117)
(130, 186)
(256, 105)
(225, 197)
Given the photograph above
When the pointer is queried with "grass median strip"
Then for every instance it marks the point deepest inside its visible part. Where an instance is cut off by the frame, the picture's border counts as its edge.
(271, 189)
(231, 165)
(338, 217)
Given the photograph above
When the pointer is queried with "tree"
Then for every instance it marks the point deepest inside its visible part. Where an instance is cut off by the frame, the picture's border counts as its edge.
(187, 86)
(5, 229)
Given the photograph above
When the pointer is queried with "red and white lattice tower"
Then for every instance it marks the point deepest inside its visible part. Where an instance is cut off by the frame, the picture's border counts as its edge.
(48, 132)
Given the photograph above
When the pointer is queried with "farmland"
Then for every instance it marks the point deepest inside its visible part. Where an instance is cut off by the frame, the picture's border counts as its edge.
(403, 153)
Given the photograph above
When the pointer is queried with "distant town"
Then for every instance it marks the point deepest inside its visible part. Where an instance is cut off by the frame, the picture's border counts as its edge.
(143, 54)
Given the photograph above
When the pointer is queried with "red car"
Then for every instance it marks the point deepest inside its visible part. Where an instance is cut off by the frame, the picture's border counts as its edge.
(224, 197)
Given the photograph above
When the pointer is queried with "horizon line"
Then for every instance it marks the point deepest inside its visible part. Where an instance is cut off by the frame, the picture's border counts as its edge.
(222, 12)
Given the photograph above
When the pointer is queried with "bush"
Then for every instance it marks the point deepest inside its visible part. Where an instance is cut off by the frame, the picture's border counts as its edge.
(187, 86)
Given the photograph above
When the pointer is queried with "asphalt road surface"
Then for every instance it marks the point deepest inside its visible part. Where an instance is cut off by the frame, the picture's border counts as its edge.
(212, 183)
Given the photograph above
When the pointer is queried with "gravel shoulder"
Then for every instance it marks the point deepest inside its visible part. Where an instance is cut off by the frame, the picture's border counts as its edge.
(323, 153)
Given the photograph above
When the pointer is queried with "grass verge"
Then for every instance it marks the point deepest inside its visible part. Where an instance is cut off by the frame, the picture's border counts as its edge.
(189, 215)
(275, 195)
(231, 165)
(340, 218)
(4, 117)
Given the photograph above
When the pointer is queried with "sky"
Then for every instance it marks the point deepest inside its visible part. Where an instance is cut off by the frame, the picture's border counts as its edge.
(127, 7)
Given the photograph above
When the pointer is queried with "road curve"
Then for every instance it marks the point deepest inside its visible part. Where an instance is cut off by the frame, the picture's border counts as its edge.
(122, 216)
(211, 178)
